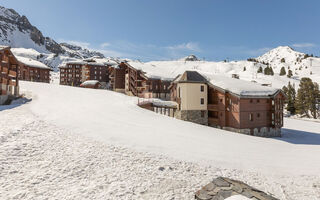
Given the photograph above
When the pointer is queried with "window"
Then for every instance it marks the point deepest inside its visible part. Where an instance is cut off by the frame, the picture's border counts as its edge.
(179, 94)
(202, 101)
(251, 117)
(258, 100)
(258, 115)
(221, 100)
(251, 100)
(202, 113)
(202, 88)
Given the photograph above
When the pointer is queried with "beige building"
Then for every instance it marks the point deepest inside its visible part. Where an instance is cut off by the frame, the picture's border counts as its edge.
(192, 97)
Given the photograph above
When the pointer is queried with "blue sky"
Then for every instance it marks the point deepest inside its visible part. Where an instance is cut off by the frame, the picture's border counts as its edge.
(170, 29)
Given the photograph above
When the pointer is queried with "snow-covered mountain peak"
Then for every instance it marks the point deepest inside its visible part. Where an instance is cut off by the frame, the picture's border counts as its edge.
(190, 58)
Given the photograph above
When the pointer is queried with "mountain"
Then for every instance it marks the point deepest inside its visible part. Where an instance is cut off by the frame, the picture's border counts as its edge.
(190, 58)
(16, 31)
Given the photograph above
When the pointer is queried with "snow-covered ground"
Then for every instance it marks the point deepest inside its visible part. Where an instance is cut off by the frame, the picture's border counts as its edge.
(75, 143)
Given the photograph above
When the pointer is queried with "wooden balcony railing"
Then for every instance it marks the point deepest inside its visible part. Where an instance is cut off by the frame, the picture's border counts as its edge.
(212, 106)
(12, 73)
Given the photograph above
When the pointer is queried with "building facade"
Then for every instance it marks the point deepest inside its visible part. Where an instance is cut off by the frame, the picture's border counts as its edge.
(32, 70)
(75, 73)
(134, 82)
(203, 102)
(9, 83)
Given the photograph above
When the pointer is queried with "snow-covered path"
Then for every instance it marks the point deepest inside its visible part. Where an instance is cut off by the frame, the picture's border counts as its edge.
(50, 148)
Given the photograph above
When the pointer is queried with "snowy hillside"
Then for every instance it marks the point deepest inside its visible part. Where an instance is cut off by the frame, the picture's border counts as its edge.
(16, 31)
(62, 145)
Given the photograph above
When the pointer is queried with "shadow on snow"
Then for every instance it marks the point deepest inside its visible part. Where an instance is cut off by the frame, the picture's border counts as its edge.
(16, 103)
(299, 137)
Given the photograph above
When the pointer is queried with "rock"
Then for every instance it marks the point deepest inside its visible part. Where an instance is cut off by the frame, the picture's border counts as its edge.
(222, 188)
(161, 168)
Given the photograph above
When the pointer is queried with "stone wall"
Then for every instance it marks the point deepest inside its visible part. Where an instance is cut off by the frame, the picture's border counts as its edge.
(3, 99)
(263, 132)
(192, 116)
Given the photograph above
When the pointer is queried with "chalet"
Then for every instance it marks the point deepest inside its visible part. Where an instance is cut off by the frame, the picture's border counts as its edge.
(32, 70)
(132, 80)
(228, 103)
(9, 84)
(75, 73)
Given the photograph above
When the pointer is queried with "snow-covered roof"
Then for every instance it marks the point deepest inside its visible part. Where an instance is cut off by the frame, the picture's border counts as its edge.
(240, 87)
(3, 47)
(32, 63)
(89, 82)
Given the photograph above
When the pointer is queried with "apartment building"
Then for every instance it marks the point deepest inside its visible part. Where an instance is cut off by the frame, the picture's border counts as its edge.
(32, 70)
(9, 83)
(75, 73)
(229, 104)
(133, 81)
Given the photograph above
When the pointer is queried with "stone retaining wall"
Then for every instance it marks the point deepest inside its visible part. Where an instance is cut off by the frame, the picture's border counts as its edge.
(193, 116)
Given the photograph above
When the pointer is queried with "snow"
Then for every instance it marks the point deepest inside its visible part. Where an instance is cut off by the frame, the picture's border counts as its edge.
(75, 143)
(237, 197)
(32, 63)
(89, 82)
(241, 87)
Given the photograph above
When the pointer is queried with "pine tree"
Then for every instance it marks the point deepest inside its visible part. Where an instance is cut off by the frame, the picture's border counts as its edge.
(271, 71)
(283, 60)
(290, 73)
(291, 98)
(282, 71)
(244, 69)
(266, 71)
(307, 98)
(260, 70)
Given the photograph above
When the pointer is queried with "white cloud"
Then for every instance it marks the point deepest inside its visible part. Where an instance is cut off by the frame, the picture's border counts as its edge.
(303, 45)
(190, 46)
(104, 45)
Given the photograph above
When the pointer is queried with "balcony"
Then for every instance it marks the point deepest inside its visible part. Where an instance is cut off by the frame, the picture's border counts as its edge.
(214, 121)
(5, 70)
(12, 73)
(213, 107)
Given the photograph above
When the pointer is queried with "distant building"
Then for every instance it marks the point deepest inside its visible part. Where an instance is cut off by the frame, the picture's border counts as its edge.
(75, 73)
(32, 70)
(9, 83)
(91, 84)
(135, 82)
(228, 103)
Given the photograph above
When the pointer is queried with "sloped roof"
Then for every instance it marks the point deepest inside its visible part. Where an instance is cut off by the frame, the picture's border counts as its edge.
(191, 76)
(32, 63)
(3, 47)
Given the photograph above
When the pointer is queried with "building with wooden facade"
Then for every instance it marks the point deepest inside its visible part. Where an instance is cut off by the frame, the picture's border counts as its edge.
(32, 70)
(9, 83)
(229, 104)
(133, 81)
(75, 73)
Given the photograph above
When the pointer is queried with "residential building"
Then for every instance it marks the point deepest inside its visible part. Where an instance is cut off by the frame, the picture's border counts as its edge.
(75, 73)
(228, 103)
(32, 70)
(9, 83)
(132, 80)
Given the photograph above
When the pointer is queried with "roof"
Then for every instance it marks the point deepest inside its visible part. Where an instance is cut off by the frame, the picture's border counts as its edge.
(85, 63)
(240, 87)
(32, 63)
(90, 82)
(191, 76)
(3, 47)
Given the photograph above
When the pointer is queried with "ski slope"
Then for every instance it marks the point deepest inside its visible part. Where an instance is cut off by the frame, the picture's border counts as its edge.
(114, 118)
(75, 143)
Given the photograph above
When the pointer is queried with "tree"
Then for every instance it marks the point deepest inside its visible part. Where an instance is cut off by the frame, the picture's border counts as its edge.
(260, 70)
(283, 71)
(244, 69)
(307, 98)
(290, 73)
(283, 60)
(291, 98)
(271, 71)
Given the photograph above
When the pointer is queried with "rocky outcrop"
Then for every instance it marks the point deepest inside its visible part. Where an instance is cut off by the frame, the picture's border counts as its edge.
(222, 188)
